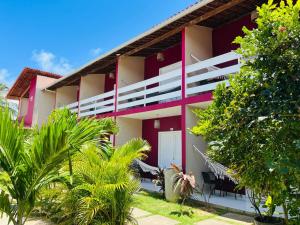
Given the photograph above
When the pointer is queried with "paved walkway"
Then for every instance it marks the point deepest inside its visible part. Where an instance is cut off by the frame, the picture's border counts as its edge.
(146, 218)
(4, 221)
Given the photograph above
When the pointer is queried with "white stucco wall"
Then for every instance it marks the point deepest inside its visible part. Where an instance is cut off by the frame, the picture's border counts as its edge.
(194, 162)
(128, 129)
(66, 95)
(23, 106)
(198, 41)
(91, 85)
(130, 70)
(44, 102)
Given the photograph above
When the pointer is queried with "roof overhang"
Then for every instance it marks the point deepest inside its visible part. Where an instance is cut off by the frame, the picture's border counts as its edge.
(210, 13)
(21, 85)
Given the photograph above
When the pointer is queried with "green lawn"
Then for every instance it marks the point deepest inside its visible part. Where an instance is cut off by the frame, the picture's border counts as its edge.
(155, 204)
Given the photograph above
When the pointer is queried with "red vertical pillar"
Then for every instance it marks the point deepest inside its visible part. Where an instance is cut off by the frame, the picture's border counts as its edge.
(78, 98)
(183, 106)
(116, 94)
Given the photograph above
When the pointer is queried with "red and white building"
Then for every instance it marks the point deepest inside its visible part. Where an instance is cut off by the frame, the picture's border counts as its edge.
(151, 84)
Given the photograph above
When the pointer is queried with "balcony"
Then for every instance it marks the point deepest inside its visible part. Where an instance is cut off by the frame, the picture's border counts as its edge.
(201, 77)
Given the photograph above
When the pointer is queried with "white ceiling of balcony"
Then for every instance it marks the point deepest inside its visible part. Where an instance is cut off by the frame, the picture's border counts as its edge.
(174, 111)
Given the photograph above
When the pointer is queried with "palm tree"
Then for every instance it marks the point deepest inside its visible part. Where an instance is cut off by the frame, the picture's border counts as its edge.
(31, 161)
(4, 102)
(3, 88)
(104, 184)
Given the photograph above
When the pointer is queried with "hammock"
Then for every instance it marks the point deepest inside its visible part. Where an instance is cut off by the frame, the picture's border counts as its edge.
(146, 168)
(218, 169)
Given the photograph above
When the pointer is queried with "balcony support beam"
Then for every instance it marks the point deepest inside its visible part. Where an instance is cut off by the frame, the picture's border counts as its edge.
(183, 106)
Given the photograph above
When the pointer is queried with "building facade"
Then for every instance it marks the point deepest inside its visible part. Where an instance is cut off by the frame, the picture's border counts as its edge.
(151, 84)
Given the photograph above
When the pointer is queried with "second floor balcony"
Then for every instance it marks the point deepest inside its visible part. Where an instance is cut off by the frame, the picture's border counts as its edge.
(200, 77)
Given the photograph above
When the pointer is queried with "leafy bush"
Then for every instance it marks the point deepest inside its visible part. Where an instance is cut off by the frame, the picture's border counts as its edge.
(30, 161)
(253, 126)
(159, 180)
(102, 189)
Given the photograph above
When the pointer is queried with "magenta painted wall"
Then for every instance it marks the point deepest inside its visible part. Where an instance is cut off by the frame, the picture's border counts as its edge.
(222, 37)
(172, 55)
(109, 83)
(151, 134)
(32, 90)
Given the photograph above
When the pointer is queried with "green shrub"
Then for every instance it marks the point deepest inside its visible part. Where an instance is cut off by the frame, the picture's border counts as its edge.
(253, 126)
(102, 189)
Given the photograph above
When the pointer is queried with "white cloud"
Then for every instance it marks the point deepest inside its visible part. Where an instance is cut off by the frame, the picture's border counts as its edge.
(5, 77)
(49, 62)
(95, 51)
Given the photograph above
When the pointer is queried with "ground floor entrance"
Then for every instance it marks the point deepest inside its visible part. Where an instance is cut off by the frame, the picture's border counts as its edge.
(169, 148)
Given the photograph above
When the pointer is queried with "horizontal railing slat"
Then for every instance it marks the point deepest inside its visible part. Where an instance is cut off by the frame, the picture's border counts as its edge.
(97, 97)
(212, 62)
(150, 81)
(95, 112)
(103, 103)
(163, 87)
(151, 99)
(206, 87)
(72, 105)
(213, 74)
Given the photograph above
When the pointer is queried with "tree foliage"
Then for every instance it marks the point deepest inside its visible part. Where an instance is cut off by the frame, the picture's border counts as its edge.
(103, 187)
(30, 161)
(253, 126)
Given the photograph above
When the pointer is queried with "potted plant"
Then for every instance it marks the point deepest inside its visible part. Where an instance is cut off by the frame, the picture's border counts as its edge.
(185, 183)
(159, 180)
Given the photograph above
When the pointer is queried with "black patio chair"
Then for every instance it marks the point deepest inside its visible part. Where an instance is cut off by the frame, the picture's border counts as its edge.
(209, 179)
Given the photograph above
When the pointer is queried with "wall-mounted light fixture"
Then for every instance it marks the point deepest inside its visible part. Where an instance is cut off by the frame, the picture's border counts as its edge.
(160, 57)
(156, 124)
(111, 75)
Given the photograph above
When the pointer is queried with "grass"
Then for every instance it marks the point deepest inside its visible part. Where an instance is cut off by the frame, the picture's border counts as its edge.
(191, 213)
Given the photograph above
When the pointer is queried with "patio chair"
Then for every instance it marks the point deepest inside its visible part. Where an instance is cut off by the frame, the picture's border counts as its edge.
(209, 179)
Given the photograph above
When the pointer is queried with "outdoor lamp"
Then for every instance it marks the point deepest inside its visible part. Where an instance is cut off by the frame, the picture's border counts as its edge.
(156, 124)
(160, 57)
(111, 75)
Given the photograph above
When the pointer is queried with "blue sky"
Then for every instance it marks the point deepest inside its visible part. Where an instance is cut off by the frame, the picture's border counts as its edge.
(62, 35)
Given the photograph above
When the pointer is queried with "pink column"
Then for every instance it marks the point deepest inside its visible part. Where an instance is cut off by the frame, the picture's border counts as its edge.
(116, 94)
(29, 115)
(183, 106)
(78, 98)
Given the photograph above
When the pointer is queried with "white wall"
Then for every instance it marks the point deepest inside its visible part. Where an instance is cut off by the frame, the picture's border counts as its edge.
(194, 161)
(128, 129)
(130, 70)
(66, 95)
(44, 101)
(23, 107)
(198, 41)
(91, 85)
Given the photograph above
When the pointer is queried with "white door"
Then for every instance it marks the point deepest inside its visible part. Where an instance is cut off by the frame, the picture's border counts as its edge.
(169, 148)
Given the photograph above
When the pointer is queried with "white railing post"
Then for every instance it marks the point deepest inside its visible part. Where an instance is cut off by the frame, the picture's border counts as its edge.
(116, 103)
(145, 95)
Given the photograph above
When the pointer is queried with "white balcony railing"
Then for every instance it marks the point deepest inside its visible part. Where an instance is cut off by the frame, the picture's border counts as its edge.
(201, 77)
(73, 107)
(157, 89)
(102, 103)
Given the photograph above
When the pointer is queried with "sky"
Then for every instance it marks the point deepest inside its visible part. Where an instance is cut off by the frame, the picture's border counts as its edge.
(61, 35)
